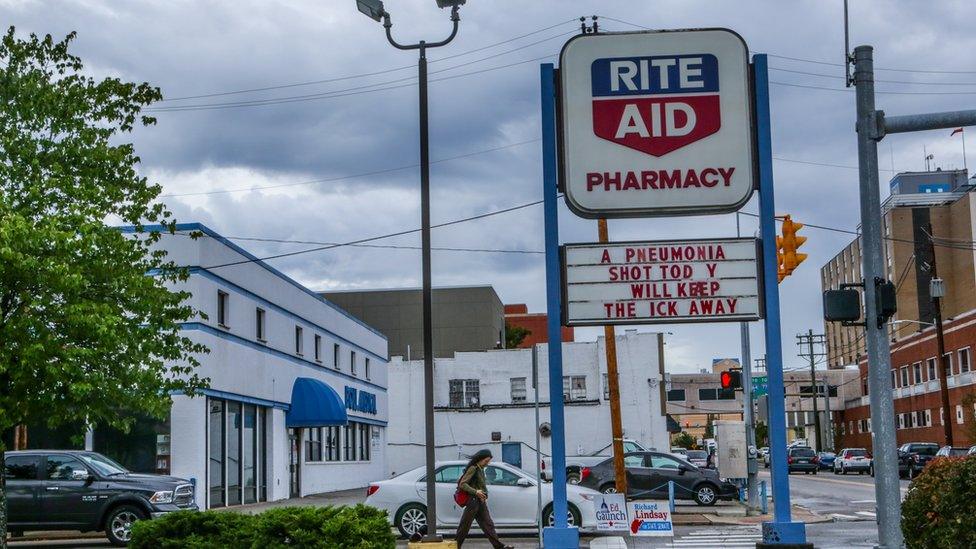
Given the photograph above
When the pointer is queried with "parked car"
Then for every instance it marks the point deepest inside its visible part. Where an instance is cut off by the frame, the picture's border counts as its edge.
(511, 498)
(802, 459)
(86, 491)
(952, 451)
(917, 456)
(852, 460)
(766, 458)
(698, 458)
(826, 460)
(764, 451)
(648, 474)
(683, 452)
(972, 451)
(575, 464)
(798, 442)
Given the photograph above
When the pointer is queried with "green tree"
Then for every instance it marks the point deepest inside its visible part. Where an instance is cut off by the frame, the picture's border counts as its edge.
(762, 434)
(683, 440)
(89, 332)
(514, 335)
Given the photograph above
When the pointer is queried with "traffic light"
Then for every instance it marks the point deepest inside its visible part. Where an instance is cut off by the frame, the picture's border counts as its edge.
(731, 379)
(787, 256)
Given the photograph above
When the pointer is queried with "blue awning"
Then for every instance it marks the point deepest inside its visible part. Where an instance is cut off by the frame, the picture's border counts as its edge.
(314, 404)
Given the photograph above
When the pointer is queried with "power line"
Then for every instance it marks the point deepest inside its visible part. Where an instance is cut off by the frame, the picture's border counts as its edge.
(367, 74)
(353, 176)
(374, 238)
(848, 90)
(801, 59)
(837, 77)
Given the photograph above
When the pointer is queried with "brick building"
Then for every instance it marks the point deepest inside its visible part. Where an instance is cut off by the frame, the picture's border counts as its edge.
(519, 315)
(918, 401)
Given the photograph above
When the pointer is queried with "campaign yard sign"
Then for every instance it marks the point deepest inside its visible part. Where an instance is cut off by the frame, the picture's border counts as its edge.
(611, 513)
(656, 123)
(650, 519)
(661, 282)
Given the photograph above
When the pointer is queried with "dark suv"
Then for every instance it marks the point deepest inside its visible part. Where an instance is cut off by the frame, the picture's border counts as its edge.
(86, 491)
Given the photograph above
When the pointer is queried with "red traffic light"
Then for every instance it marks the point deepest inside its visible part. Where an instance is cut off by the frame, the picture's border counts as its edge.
(731, 379)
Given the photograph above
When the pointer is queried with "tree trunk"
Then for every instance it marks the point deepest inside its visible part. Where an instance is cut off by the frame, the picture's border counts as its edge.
(3, 498)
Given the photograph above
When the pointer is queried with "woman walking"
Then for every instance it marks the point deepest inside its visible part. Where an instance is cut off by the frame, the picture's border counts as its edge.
(473, 484)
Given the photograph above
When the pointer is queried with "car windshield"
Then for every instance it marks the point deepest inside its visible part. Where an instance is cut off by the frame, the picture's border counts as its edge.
(103, 465)
(953, 452)
(924, 449)
(697, 454)
(803, 452)
(857, 453)
(826, 454)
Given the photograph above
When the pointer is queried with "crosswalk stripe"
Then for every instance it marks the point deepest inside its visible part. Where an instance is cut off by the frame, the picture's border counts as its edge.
(867, 514)
(848, 517)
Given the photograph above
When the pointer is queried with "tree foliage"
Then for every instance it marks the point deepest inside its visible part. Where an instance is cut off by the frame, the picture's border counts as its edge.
(684, 440)
(85, 334)
(939, 508)
(514, 335)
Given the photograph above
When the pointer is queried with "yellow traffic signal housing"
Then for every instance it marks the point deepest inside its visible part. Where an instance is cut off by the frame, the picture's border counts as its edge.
(787, 256)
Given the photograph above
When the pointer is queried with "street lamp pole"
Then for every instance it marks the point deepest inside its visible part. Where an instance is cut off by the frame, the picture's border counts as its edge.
(375, 10)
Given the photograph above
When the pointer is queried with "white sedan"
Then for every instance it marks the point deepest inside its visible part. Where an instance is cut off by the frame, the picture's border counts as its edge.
(512, 499)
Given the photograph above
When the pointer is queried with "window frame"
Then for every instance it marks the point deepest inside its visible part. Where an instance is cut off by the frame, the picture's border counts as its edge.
(223, 309)
(299, 340)
(352, 362)
(961, 353)
(514, 389)
(260, 331)
(317, 347)
(336, 356)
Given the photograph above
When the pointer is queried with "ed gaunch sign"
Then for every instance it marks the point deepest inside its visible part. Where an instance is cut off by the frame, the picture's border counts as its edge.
(656, 123)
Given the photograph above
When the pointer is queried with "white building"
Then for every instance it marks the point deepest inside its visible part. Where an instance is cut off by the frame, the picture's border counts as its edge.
(297, 402)
(486, 400)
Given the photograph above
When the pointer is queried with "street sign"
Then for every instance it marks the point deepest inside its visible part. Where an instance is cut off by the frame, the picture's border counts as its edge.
(611, 512)
(661, 282)
(760, 385)
(656, 123)
(650, 519)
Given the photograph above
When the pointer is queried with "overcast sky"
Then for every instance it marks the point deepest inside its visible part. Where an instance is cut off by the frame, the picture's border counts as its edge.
(485, 126)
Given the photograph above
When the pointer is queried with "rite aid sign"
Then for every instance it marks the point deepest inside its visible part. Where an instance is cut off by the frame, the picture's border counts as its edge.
(656, 123)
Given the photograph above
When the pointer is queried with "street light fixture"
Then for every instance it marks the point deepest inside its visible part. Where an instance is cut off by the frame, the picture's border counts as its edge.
(374, 10)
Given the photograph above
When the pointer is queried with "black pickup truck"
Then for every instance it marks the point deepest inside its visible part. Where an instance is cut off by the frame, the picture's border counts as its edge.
(85, 491)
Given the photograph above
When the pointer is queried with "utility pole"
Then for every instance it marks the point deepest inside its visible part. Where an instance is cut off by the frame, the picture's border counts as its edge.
(810, 339)
(830, 424)
(616, 426)
(752, 468)
(940, 339)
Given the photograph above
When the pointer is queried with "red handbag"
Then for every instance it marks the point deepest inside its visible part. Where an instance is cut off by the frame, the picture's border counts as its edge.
(461, 497)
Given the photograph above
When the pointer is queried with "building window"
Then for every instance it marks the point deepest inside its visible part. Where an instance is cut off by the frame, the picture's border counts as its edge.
(932, 372)
(606, 387)
(948, 363)
(574, 387)
(222, 308)
(518, 389)
(917, 371)
(331, 443)
(706, 394)
(958, 414)
(298, 341)
(904, 376)
(349, 442)
(894, 378)
(352, 362)
(963, 360)
(313, 444)
(364, 439)
(464, 393)
(865, 426)
(318, 348)
(676, 395)
(335, 356)
(366, 366)
(259, 324)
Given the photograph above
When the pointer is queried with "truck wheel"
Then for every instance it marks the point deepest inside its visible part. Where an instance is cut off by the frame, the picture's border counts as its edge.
(118, 525)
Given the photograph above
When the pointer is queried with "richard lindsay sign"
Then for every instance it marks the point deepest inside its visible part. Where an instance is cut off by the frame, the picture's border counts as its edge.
(661, 282)
(656, 123)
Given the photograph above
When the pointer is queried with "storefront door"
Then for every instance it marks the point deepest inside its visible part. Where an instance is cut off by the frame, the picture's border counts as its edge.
(294, 462)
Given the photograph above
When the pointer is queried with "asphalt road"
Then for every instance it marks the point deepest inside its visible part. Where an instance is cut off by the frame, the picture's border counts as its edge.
(846, 497)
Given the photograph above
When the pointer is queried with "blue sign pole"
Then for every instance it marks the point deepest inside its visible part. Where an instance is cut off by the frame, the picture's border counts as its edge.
(782, 530)
(560, 535)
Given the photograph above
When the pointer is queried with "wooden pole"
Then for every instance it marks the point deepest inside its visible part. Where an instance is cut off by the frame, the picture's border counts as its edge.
(616, 426)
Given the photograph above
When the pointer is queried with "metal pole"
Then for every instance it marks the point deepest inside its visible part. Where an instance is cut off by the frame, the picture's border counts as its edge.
(560, 535)
(752, 478)
(813, 392)
(944, 363)
(829, 430)
(782, 529)
(428, 321)
(538, 443)
(886, 484)
(616, 427)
